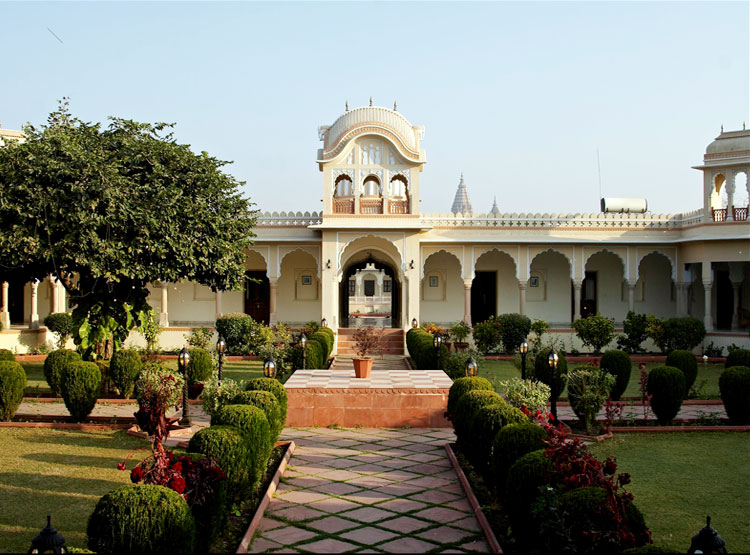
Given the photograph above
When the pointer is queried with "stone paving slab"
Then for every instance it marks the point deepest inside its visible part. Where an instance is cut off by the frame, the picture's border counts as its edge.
(368, 508)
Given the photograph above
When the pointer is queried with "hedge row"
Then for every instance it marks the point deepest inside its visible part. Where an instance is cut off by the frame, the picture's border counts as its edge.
(421, 349)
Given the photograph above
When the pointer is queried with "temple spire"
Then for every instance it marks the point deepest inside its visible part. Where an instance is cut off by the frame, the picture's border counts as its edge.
(461, 202)
(494, 210)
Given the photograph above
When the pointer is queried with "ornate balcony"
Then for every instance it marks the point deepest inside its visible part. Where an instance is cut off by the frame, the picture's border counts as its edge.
(398, 206)
(371, 206)
(343, 206)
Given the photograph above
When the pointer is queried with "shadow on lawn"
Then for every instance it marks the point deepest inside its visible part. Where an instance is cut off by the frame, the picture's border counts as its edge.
(87, 460)
(51, 483)
(86, 438)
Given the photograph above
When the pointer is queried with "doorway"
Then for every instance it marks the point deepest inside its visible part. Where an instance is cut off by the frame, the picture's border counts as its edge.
(370, 293)
(16, 298)
(483, 296)
(724, 300)
(257, 296)
(588, 295)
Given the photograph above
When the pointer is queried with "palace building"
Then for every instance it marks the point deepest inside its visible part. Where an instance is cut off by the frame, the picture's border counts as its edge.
(371, 255)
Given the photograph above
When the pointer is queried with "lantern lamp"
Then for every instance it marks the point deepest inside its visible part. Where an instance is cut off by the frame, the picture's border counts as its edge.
(524, 350)
(303, 342)
(707, 540)
(437, 341)
(221, 347)
(553, 359)
(471, 367)
(48, 540)
(414, 323)
(324, 323)
(269, 368)
(183, 360)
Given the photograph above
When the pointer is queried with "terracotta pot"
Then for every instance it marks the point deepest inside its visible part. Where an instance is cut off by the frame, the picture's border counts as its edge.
(362, 367)
(195, 390)
(460, 346)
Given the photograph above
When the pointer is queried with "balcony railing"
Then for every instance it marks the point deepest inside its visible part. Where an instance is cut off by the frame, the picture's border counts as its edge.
(739, 214)
(398, 206)
(720, 214)
(343, 206)
(371, 206)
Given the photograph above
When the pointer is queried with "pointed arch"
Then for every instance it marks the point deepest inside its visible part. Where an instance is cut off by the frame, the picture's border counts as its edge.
(479, 253)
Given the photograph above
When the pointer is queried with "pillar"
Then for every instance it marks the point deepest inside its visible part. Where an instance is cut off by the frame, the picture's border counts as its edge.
(730, 195)
(708, 315)
(164, 314)
(273, 285)
(735, 303)
(4, 313)
(52, 295)
(521, 297)
(467, 302)
(219, 311)
(577, 284)
(34, 315)
(631, 295)
(683, 304)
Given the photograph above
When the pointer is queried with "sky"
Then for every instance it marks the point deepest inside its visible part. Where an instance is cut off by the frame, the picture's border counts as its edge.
(519, 96)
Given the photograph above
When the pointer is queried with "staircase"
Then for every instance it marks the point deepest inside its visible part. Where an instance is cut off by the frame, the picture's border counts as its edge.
(393, 341)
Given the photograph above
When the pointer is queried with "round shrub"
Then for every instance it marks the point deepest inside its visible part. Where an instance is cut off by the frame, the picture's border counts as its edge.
(80, 383)
(618, 364)
(234, 328)
(685, 361)
(12, 384)
(60, 323)
(54, 364)
(511, 443)
(272, 386)
(544, 372)
(488, 421)
(200, 367)
(6, 355)
(525, 477)
(666, 384)
(514, 329)
(325, 340)
(252, 422)
(123, 369)
(466, 411)
(736, 357)
(461, 386)
(734, 385)
(315, 355)
(141, 519)
(266, 402)
(229, 448)
(329, 337)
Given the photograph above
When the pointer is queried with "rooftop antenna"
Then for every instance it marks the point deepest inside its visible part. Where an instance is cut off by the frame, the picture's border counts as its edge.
(722, 128)
(347, 105)
(599, 171)
(395, 109)
(371, 103)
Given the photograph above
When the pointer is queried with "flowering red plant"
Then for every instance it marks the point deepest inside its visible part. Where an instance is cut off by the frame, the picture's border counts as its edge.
(612, 412)
(643, 384)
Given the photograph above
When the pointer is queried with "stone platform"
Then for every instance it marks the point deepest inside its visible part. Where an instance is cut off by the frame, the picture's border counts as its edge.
(387, 399)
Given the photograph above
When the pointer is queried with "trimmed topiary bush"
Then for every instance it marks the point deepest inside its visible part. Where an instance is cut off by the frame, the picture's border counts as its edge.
(514, 329)
(266, 402)
(80, 383)
(685, 361)
(488, 421)
(329, 337)
(6, 355)
(525, 477)
(511, 443)
(734, 385)
(141, 519)
(227, 446)
(421, 350)
(253, 424)
(123, 370)
(463, 385)
(12, 384)
(736, 357)
(666, 385)
(54, 364)
(315, 354)
(595, 331)
(543, 372)
(200, 367)
(60, 323)
(618, 364)
(325, 340)
(466, 411)
(272, 386)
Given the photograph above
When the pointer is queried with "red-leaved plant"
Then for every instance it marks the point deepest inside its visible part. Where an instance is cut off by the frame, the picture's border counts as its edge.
(643, 384)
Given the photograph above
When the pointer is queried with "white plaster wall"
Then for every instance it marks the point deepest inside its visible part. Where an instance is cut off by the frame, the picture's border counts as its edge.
(611, 295)
(297, 303)
(508, 294)
(551, 301)
(443, 304)
(654, 293)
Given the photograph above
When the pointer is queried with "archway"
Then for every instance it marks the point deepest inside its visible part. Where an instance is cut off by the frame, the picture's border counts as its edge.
(370, 292)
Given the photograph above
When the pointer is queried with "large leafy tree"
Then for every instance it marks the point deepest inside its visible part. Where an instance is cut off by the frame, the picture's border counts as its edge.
(107, 210)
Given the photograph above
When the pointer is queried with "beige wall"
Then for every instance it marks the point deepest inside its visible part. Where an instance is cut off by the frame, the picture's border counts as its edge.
(551, 300)
(612, 293)
(654, 292)
(296, 301)
(443, 304)
(508, 293)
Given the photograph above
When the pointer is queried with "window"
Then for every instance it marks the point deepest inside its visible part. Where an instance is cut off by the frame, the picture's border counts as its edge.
(387, 286)
(352, 287)
(369, 287)
(433, 281)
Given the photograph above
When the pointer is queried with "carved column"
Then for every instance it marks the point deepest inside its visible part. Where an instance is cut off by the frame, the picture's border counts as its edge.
(34, 315)
(273, 285)
(467, 302)
(577, 284)
(219, 311)
(735, 303)
(164, 314)
(522, 297)
(4, 313)
(730, 195)
(708, 308)
(682, 289)
(52, 295)
(631, 295)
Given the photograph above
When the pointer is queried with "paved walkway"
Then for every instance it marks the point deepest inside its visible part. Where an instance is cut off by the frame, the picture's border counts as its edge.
(369, 490)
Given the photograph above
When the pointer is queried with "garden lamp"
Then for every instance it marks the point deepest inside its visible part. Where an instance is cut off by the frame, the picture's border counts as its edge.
(471, 367)
(221, 346)
(324, 323)
(437, 341)
(303, 342)
(705, 359)
(183, 359)
(707, 540)
(414, 323)
(523, 349)
(269, 368)
(48, 540)
(553, 361)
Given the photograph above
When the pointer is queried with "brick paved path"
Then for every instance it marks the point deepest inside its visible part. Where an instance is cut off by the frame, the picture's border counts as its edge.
(370, 491)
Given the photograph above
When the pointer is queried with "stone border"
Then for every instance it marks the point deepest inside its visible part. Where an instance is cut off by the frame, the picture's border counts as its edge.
(594, 358)
(259, 512)
(65, 418)
(483, 523)
(678, 429)
(64, 425)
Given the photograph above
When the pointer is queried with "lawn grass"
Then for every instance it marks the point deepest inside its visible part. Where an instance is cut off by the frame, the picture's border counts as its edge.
(708, 375)
(679, 478)
(58, 472)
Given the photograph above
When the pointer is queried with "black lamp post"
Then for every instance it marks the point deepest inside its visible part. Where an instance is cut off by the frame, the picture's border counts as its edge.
(303, 342)
(437, 341)
(414, 323)
(471, 367)
(49, 539)
(221, 346)
(553, 361)
(707, 540)
(269, 368)
(324, 323)
(523, 349)
(183, 359)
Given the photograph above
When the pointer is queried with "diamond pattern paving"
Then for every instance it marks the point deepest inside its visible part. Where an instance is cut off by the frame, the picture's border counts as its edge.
(369, 490)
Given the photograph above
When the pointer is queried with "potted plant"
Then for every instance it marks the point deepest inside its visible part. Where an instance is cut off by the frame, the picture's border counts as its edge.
(366, 340)
(459, 332)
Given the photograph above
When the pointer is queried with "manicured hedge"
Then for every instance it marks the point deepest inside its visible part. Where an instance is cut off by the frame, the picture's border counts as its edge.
(54, 364)
(525, 476)
(12, 384)
(488, 421)
(229, 447)
(421, 350)
(315, 353)
(123, 369)
(544, 372)
(685, 361)
(272, 386)
(461, 386)
(466, 410)
(266, 402)
(141, 519)
(737, 357)
(200, 367)
(514, 329)
(80, 384)
(511, 443)
(326, 339)
(6, 355)
(253, 424)
(666, 385)
(618, 364)
(734, 385)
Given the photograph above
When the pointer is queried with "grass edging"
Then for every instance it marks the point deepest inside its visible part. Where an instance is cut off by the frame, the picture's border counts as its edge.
(475, 507)
(678, 429)
(65, 425)
(260, 511)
